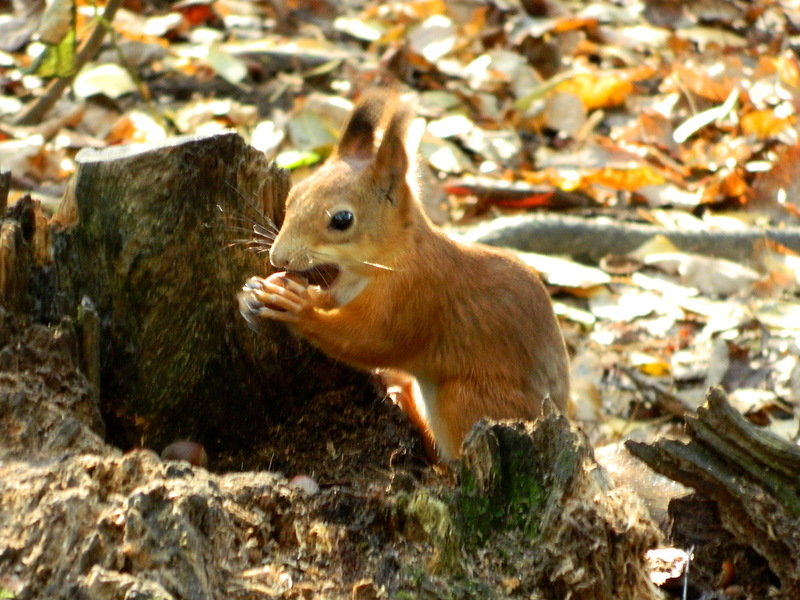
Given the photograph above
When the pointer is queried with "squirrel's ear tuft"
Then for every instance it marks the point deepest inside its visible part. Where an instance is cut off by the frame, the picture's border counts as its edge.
(390, 169)
(392, 158)
(358, 139)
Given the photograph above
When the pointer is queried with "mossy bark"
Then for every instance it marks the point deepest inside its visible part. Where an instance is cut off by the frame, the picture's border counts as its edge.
(540, 479)
(535, 509)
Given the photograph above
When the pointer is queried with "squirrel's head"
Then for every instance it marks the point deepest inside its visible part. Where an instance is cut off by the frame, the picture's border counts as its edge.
(351, 218)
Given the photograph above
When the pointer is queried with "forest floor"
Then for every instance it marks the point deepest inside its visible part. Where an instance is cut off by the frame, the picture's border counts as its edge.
(680, 115)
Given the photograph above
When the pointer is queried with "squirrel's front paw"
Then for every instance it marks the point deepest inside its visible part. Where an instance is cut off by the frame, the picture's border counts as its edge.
(281, 296)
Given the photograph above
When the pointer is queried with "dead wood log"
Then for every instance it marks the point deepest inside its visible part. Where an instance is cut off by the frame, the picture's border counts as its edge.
(147, 235)
(595, 238)
(750, 473)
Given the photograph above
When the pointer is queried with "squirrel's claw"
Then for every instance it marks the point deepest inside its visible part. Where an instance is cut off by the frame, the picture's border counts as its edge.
(277, 297)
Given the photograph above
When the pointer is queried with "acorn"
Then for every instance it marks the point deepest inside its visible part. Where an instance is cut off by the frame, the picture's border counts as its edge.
(191, 452)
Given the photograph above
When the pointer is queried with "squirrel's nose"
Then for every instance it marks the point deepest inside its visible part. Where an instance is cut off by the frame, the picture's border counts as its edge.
(278, 256)
(277, 261)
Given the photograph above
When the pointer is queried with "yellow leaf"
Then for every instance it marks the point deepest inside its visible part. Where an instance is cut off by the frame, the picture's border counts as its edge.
(597, 90)
(58, 60)
(625, 179)
(648, 364)
(765, 124)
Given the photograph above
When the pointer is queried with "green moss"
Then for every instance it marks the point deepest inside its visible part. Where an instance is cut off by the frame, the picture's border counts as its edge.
(434, 516)
(513, 500)
(421, 586)
(498, 511)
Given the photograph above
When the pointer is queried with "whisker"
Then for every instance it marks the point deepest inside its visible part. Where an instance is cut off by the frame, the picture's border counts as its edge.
(250, 222)
(264, 232)
(259, 234)
(376, 265)
(238, 192)
(248, 242)
(324, 256)
(254, 234)
(251, 204)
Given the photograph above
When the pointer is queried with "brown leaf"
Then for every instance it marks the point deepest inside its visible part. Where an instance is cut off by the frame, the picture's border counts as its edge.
(716, 87)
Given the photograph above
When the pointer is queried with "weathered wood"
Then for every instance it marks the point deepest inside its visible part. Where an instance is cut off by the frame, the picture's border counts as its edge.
(145, 233)
(595, 238)
(540, 480)
(750, 473)
(5, 187)
(13, 267)
(23, 247)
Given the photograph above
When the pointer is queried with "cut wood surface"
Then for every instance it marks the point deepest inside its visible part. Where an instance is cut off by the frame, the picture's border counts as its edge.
(750, 473)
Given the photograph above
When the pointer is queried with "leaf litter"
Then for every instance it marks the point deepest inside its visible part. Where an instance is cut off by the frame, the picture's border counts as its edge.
(679, 114)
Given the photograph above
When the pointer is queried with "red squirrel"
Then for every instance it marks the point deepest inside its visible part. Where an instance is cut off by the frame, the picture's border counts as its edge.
(364, 275)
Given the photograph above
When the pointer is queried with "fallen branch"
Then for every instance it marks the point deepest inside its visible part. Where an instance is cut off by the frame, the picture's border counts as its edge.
(749, 472)
(594, 238)
(35, 111)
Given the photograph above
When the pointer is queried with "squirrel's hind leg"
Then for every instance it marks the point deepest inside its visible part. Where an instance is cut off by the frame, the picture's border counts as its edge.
(404, 390)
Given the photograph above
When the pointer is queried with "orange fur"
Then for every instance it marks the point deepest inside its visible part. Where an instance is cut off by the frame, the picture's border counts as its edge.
(473, 325)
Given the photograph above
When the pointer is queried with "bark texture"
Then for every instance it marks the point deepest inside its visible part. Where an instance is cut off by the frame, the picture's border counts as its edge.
(153, 239)
(749, 472)
(540, 481)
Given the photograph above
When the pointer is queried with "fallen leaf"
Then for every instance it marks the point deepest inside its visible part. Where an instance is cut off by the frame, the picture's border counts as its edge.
(445, 156)
(368, 31)
(565, 273)
(779, 314)
(433, 38)
(267, 137)
(715, 277)
(225, 64)
(450, 126)
(598, 90)
(629, 304)
(564, 112)
(624, 179)
(294, 159)
(765, 124)
(309, 132)
(108, 79)
(649, 364)
(137, 127)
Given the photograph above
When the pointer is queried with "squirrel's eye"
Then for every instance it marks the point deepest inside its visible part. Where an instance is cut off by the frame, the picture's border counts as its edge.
(341, 220)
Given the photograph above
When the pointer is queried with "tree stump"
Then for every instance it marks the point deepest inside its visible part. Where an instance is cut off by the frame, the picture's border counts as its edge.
(750, 473)
(536, 490)
(146, 237)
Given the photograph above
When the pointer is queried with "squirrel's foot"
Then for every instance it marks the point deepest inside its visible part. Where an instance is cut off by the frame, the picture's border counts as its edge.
(280, 297)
